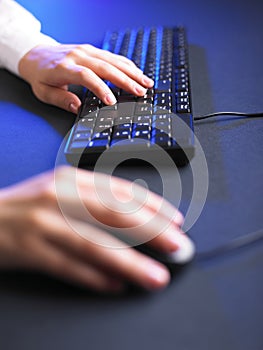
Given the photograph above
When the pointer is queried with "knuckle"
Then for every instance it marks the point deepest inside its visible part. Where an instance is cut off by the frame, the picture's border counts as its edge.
(100, 90)
(104, 67)
(81, 74)
(128, 61)
(46, 193)
(35, 219)
(126, 81)
(79, 50)
(63, 172)
(88, 47)
(60, 65)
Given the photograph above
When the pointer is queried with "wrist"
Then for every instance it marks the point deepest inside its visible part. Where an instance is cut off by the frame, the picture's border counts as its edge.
(26, 64)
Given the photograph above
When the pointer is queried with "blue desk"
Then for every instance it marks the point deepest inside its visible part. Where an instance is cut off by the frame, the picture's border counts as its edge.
(213, 303)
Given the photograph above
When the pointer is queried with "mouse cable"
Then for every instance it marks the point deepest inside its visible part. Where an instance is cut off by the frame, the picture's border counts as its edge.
(235, 243)
(236, 114)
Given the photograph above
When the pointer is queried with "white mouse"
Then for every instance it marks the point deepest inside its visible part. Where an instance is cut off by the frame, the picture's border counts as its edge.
(184, 253)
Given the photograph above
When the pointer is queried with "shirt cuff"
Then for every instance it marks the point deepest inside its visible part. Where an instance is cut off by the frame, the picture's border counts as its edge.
(24, 44)
(20, 31)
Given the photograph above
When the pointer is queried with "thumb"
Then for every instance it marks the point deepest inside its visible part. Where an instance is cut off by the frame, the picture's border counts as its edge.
(59, 97)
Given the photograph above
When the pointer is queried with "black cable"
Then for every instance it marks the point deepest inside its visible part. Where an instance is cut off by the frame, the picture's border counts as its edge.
(236, 243)
(236, 114)
(248, 238)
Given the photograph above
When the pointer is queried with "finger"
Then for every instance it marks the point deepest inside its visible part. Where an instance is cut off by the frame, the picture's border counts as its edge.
(100, 53)
(126, 66)
(59, 263)
(58, 97)
(109, 72)
(110, 255)
(100, 199)
(121, 191)
(80, 75)
(141, 217)
(120, 263)
(135, 224)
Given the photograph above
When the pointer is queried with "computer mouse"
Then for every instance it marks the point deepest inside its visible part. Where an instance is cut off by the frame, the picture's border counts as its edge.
(184, 254)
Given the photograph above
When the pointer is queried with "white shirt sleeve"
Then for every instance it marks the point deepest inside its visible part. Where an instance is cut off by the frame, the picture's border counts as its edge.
(20, 31)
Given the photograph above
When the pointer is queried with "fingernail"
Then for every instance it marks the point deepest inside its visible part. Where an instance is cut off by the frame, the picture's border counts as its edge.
(178, 218)
(148, 81)
(185, 253)
(158, 276)
(172, 241)
(140, 90)
(110, 99)
(73, 108)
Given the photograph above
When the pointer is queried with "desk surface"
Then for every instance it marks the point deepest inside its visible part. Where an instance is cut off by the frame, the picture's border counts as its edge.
(213, 303)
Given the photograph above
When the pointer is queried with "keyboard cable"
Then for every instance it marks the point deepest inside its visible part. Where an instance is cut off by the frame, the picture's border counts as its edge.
(235, 114)
(250, 237)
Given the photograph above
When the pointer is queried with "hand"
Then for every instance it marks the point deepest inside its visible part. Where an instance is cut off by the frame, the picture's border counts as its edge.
(50, 69)
(36, 235)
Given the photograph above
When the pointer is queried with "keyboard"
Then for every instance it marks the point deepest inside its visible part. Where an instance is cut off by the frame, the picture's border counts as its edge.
(140, 127)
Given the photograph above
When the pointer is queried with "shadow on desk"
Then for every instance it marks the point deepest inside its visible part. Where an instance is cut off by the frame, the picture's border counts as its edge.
(43, 285)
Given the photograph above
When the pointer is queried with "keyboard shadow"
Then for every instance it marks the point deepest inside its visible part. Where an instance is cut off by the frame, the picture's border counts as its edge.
(208, 134)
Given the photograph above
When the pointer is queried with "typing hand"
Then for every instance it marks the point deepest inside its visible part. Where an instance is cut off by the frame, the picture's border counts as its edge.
(36, 235)
(50, 69)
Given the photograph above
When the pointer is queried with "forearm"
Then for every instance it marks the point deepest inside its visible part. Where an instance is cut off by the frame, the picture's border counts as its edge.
(20, 31)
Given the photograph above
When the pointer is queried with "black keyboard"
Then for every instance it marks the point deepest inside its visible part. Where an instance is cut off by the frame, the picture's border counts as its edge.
(137, 127)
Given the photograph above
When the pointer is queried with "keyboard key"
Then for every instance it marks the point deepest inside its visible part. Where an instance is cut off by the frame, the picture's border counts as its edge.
(145, 99)
(163, 85)
(98, 144)
(159, 127)
(121, 127)
(102, 135)
(161, 139)
(81, 145)
(183, 108)
(182, 100)
(102, 128)
(141, 127)
(142, 108)
(182, 94)
(122, 120)
(82, 136)
(142, 134)
(111, 107)
(161, 109)
(108, 113)
(163, 100)
(125, 109)
(161, 117)
(84, 126)
(142, 118)
(181, 87)
(127, 98)
(121, 134)
(124, 126)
